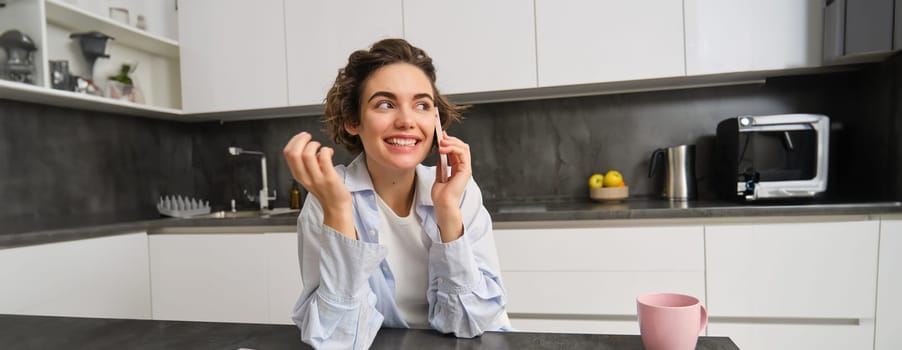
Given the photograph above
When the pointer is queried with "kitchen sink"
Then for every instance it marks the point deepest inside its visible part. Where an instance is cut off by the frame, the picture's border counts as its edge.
(225, 214)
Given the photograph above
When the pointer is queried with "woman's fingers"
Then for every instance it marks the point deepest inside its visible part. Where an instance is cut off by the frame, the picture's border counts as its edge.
(311, 165)
(311, 162)
(325, 163)
(292, 153)
(458, 154)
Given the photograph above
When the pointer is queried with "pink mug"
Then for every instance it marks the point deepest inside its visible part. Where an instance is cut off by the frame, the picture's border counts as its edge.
(669, 321)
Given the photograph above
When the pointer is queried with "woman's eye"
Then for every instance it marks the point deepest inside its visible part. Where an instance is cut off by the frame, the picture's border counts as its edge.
(423, 106)
(384, 104)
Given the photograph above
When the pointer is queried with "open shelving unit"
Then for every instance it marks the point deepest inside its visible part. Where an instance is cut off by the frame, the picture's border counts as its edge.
(64, 14)
(49, 23)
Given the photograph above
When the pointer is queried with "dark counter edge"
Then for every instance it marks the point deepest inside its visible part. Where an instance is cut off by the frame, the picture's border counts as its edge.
(12, 240)
(78, 332)
(516, 213)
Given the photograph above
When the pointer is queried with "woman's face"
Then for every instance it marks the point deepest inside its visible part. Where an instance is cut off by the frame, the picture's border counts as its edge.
(397, 120)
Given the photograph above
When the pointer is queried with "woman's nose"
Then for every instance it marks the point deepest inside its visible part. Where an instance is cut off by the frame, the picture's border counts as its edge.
(406, 118)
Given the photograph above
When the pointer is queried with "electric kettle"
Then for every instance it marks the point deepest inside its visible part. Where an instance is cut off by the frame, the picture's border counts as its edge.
(679, 183)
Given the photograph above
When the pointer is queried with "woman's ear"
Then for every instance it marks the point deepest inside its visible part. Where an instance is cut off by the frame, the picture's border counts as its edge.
(351, 129)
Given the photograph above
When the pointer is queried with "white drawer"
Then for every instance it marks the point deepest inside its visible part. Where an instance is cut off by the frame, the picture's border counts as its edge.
(575, 326)
(95, 277)
(670, 248)
(889, 287)
(781, 336)
(810, 270)
(209, 277)
(592, 293)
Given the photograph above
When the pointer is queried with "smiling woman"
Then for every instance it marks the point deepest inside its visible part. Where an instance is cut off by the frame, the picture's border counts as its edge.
(345, 99)
(395, 125)
(382, 243)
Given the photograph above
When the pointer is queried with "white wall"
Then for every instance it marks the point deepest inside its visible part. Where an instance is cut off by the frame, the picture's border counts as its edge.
(160, 15)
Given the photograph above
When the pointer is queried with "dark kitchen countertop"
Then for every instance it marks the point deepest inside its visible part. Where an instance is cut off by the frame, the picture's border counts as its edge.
(645, 208)
(30, 231)
(44, 332)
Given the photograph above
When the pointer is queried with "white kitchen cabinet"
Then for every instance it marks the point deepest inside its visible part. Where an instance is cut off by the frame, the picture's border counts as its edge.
(742, 35)
(624, 325)
(232, 55)
(320, 35)
(793, 335)
(224, 277)
(587, 279)
(284, 275)
(769, 284)
(593, 41)
(98, 277)
(477, 46)
(889, 287)
(897, 26)
(209, 277)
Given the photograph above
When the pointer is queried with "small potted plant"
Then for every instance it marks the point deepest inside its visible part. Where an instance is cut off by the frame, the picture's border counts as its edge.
(122, 87)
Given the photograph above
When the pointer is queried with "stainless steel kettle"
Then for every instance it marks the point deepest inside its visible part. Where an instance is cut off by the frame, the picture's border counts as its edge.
(679, 184)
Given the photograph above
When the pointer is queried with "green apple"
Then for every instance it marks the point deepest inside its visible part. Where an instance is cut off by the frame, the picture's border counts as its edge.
(596, 181)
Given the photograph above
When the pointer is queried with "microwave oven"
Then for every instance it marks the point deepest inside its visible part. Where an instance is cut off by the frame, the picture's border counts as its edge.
(761, 157)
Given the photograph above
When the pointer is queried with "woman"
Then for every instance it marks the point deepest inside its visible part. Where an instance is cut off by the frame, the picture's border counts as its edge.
(381, 242)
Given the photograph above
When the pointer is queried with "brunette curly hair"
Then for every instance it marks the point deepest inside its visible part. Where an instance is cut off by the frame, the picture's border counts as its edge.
(343, 101)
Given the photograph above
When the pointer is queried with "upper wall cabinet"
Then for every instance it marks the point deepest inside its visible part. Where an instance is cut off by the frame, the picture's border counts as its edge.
(742, 35)
(592, 41)
(320, 35)
(59, 70)
(477, 46)
(897, 31)
(857, 30)
(232, 55)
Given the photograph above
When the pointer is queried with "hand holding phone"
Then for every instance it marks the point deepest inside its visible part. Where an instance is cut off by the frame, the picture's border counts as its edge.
(442, 158)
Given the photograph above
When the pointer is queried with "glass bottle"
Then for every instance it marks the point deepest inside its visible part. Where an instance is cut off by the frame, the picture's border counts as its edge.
(295, 202)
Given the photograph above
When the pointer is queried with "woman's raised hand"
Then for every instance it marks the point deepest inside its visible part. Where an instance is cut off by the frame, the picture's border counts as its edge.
(311, 165)
(447, 195)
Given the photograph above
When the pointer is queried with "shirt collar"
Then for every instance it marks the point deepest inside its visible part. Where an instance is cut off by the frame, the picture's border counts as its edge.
(357, 179)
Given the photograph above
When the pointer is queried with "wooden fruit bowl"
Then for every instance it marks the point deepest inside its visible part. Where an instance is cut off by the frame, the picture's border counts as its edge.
(609, 193)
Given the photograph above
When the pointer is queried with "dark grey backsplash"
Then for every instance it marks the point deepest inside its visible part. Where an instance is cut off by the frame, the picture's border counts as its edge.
(894, 71)
(547, 149)
(59, 162)
(550, 148)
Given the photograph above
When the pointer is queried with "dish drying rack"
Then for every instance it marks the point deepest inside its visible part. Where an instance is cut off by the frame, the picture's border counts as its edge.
(182, 207)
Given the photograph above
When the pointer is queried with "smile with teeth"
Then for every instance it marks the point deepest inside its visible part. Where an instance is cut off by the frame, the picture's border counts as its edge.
(396, 141)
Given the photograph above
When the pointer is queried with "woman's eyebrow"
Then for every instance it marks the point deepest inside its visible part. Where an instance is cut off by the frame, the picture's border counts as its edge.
(423, 95)
(392, 96)
(383, 94)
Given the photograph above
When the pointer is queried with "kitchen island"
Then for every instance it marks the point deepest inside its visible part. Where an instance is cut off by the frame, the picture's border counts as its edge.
(43, 332)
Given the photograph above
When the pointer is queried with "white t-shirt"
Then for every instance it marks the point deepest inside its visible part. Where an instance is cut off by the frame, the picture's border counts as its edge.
(408, 257)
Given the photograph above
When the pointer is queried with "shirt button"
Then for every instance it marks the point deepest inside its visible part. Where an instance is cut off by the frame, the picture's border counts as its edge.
(440, 280)
(385, 268)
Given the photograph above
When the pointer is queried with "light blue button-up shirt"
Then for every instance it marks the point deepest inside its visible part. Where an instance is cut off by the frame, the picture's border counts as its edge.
(349, 289)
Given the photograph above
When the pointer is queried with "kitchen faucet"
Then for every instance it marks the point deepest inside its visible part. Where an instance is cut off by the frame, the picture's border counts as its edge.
(263, 197)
